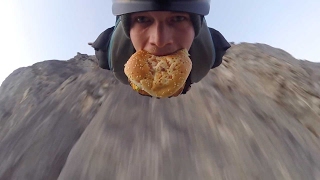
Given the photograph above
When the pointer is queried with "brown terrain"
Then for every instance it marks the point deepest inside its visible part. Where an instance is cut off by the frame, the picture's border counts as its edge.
(255, 117)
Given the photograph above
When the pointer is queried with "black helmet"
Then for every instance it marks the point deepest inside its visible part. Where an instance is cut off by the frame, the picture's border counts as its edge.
(200, 7)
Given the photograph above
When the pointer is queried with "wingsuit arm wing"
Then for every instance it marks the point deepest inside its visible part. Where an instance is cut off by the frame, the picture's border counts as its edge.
(221, 45)
(101, 45)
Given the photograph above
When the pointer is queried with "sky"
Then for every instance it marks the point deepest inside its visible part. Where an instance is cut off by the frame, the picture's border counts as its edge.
(37, 30)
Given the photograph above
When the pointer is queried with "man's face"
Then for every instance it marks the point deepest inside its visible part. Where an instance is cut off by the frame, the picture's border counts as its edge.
(161, 32)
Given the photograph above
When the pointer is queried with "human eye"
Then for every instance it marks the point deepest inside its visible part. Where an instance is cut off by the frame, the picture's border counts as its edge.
(142, 19)
(178, 18)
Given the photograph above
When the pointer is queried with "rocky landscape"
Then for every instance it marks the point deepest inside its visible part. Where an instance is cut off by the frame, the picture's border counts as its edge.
(256, 116)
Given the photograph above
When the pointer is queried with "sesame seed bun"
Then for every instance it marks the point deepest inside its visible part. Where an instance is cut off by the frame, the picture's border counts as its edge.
(158, 76)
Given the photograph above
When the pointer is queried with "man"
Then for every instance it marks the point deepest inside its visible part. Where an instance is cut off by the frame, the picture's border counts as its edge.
(161, 27)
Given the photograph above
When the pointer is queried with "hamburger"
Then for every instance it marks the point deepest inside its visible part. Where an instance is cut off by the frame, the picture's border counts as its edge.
(158, 76)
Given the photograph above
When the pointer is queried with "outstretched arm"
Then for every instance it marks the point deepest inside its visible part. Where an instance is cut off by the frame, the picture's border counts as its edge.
(101, 45)
(221, 45)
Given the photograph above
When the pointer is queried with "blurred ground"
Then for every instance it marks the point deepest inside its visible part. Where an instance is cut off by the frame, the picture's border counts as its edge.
(254, 117)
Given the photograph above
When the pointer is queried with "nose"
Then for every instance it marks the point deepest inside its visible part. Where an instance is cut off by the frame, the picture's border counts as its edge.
(160, 35)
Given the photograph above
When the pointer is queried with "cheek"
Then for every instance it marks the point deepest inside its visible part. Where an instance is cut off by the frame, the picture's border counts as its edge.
(137, 38)
(184, 37)
(189, 39)
(134, 39)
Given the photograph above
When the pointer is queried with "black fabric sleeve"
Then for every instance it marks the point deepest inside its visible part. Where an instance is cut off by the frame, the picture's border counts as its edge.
(221, 45)
(103, 40)
(101, 45)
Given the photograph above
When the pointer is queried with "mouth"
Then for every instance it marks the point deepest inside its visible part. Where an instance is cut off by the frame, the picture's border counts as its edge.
(162, 52)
